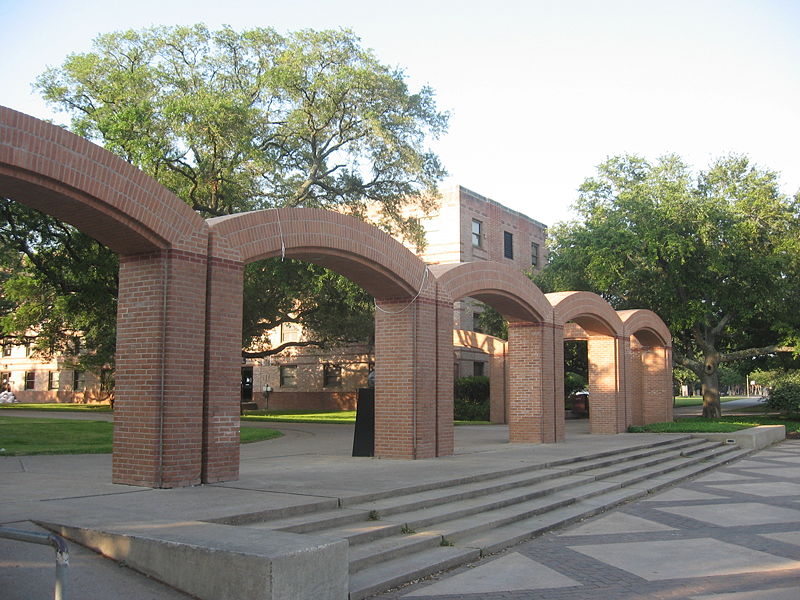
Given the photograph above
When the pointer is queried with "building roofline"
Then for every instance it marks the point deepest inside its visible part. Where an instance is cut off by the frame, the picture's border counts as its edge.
(478, 196)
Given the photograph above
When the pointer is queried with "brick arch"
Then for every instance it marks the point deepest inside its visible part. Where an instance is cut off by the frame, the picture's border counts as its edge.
(590, 311)
(163, 246)
(409, 343)
(646, 326)
(648, 355)
(359, 251)
(52, 170)
(501, 286)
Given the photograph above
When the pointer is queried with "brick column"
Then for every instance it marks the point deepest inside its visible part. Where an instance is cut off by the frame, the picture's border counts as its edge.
(223, 371)
(558, 383)
(413, 377)
(531, 417)
(633, 381)
(606, 411)
(158, 412)
(656, 369)
(497, 388)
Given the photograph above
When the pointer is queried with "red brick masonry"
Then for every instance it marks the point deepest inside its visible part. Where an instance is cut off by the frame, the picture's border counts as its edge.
(180, 317)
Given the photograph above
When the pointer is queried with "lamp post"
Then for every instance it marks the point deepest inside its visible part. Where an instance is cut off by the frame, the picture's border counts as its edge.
(266, 390)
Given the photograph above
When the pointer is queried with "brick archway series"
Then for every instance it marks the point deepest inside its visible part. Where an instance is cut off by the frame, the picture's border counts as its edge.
(180, 308)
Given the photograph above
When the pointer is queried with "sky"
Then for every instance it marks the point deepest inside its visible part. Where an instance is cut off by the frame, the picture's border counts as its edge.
(539, 92)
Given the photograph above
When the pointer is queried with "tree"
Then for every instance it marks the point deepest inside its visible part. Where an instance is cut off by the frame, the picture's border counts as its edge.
(236, 121)
(715, 256)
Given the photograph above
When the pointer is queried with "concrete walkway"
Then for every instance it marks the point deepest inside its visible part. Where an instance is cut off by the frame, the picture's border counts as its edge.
(742, 532)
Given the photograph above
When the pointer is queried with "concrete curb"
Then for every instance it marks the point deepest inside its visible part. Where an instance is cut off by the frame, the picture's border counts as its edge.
(754, 438)
(220, 562)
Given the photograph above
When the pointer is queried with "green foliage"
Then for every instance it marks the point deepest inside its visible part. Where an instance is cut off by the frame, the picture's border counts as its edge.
(720, 424)
(784, 396)
(471, 399)
(58, 283)
(573, 382)
(492, 322)
(716, 255)
(230, 122)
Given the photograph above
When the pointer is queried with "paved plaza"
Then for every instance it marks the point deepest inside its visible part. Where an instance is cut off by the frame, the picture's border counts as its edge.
(732, 534)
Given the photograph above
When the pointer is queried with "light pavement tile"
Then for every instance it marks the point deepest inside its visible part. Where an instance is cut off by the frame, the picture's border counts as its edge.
(617, 522)
(680, 495)
(509, 573)
(783, 593)
(680, 559)
(782, 472)
(787, 459)
(749, 463)
(736, 514)
(722, 476)
(766, 489)
(787, 537)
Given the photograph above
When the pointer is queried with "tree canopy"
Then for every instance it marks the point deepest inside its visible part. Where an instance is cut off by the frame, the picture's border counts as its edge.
(230, 122)
(716, 255)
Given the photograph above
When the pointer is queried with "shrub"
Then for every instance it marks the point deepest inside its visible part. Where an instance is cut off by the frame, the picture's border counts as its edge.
(471, 399)
(784, 397)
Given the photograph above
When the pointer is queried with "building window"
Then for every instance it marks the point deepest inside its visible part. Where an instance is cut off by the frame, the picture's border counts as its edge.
(30, 380)
(7, 349)
(52, 380)
(290, 332)
(289, 376)
(331, 375)
(508, 245)
(478, 368)
(534, 254)
(5, 378)
(477, 233)
(27, 349)
(78, 381)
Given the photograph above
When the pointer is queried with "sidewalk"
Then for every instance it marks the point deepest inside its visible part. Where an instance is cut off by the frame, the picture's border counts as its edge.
(642, 549)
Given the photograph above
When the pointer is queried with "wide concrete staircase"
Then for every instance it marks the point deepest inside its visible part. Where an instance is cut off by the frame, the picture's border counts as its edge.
(403, 535)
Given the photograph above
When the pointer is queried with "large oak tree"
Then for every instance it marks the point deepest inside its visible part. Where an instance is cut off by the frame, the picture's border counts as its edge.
(236, 121)
(716, 255)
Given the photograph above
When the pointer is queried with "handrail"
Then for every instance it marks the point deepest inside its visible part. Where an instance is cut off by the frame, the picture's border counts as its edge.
(46, 539)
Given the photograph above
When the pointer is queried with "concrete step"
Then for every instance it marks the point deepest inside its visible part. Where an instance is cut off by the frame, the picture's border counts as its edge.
(384, 549)
(493, 529)
(314, 521)
(394, 572)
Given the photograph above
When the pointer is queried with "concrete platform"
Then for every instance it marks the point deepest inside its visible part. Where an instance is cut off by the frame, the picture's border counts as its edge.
(754, 438)
(308, 469)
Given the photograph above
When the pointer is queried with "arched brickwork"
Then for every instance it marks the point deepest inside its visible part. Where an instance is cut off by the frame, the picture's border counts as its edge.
(603, 328)
(530, 387)
(409, 423)
(648, 354)
(162, 245)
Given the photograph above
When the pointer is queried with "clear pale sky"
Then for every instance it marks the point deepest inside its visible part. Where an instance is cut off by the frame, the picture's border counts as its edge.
(540, 92)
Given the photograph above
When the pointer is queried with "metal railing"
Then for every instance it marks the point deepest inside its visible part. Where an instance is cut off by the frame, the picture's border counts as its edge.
(46, 539)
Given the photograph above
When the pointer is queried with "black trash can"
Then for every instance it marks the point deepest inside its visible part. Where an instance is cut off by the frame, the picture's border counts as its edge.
(364, 435)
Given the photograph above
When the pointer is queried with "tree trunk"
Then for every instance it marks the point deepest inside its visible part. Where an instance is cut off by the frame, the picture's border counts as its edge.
(710, 380)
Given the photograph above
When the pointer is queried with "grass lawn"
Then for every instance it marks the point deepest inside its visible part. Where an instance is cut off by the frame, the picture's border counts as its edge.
(21, 436)
(314, 416)
(722, 425)
(98, 408)
(698, 400)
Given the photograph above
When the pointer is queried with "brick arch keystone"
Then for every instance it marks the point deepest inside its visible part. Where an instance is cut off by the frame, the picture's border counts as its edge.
(359, 251)
(163, 246)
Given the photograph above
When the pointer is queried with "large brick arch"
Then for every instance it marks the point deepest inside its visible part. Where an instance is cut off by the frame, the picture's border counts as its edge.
(648, 353)
(501, 286)
(609, 410)
(359, 251)
(408, 349)
(162, 245)
(530, 388)
(52, 170)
